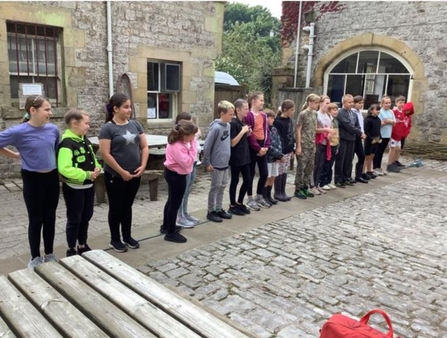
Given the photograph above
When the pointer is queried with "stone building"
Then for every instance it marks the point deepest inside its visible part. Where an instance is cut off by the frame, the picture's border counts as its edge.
(372, 49)
(165, 49)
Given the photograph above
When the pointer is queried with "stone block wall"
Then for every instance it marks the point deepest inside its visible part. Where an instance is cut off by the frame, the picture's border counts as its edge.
(415, 30)
(189, 33)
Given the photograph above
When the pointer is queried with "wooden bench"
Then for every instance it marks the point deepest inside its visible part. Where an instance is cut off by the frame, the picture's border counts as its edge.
(97, 295)
(151, 176)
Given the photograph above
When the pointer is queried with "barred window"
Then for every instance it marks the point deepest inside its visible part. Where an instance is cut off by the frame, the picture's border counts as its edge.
(34, 52)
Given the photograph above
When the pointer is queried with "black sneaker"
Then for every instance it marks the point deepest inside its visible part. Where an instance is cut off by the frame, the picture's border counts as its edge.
(348, 183)
(361, 180)
(223, 214)
(365, 176)
(118, 246)
(392, 168)
(84, 249)
(353, 181)
(163, 230)
(175, 237)
(213, 217)
(340, 185)
(243, 208)
(234, 210)
(371, 175)
(131, 243)
(399, 164)
(71, 252)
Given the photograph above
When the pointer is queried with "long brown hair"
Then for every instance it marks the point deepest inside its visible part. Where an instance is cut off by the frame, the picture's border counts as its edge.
(181, 129)
(35, 101)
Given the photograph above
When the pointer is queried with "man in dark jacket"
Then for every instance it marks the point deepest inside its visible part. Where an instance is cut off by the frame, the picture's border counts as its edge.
(349, 130)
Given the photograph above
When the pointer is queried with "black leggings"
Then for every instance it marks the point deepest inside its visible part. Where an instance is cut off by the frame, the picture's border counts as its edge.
(121, 196)
(263, 171)
(41, 195)
(377, 160)
(235, 171)
(176, 190)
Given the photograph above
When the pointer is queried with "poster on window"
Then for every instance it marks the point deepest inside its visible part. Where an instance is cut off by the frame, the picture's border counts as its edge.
(29, 89)
(151, 113)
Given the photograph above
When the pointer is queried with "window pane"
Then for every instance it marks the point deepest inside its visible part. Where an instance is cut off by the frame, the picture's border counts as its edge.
(152, 76)
(398, 85)
(347, 65)
(368, 61)
(354, 85)
(172, 77)
(15, 80)
(336, 87)
(389, 64)
(151, 106)
(166, 106)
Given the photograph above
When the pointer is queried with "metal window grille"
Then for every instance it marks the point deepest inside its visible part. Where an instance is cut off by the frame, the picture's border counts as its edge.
(33, 52)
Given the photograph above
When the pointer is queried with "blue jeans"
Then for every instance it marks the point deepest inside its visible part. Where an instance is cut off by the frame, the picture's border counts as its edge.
(190, 178)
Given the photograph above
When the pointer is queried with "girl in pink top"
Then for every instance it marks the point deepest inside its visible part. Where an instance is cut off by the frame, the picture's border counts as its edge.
(181, 153)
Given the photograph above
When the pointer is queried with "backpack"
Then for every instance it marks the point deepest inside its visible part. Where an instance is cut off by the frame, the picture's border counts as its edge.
(341, 326)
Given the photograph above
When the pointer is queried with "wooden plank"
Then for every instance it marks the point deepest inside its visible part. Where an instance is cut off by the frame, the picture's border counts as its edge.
(22, 317)
(5, 331)
(59, 311)
(161, 324)
(102, 312)
(185, 311)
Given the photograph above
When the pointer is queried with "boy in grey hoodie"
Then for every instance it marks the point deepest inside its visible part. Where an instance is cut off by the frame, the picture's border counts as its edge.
(217, 152)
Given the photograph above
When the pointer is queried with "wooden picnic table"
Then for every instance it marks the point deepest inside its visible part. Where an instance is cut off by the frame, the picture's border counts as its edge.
(97, 295)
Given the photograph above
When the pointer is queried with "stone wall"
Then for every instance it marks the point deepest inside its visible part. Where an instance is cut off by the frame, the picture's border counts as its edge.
(189, 33)
(417, 27)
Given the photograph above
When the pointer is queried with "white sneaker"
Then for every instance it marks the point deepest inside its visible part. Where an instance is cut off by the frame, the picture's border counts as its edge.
(262, 203)
(315, 191)
(49, 258)
(333, 187)
(320, 189)
(34, 263)
(378, 172)
(252, 205)
(184, 223)
(192, 219)
(326, 187)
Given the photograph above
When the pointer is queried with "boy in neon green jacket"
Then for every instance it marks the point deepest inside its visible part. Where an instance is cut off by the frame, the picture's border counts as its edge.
(78, 167)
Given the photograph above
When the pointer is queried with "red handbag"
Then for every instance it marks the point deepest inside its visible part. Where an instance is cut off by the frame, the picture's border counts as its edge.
(340, 326)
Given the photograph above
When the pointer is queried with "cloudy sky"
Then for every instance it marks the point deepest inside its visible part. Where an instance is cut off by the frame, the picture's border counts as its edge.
(273, 5)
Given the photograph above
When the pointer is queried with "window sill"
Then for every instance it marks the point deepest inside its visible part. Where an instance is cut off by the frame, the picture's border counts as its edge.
(168, 123)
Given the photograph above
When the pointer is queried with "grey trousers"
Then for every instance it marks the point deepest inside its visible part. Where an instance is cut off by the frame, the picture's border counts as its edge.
(219, 181)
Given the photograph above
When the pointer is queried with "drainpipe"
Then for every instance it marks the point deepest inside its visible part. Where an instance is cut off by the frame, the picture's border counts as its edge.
(310, 52)
(109, 46)
(297, 49)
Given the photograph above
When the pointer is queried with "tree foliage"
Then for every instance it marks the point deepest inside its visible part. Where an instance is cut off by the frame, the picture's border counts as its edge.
(251, 46)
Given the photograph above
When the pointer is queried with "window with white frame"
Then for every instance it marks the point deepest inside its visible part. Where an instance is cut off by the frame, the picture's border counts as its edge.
(163, 87)
(34, 57)
(369, 73)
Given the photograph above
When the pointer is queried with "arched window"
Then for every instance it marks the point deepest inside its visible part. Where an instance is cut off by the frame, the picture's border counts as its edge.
(371, 73)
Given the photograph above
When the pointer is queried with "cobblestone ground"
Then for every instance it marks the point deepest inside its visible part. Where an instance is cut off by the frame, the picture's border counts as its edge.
(386, 248)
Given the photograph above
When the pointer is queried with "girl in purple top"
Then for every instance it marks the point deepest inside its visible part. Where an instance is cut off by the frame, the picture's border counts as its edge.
(37, 142)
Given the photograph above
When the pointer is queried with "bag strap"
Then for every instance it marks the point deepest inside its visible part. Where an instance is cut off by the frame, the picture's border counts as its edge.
(365, 319)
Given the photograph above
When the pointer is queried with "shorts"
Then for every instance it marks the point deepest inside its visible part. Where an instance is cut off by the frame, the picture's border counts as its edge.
(394, 143)
(272, 169)
(370, 149)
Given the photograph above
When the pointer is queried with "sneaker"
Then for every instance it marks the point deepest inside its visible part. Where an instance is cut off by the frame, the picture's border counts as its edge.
(163, 230)
(321, 190)
(353, 181)
(378, 172)
(71, 252)
(327, 187)
(348, 183)
(192, 219)
(118, 246)
(252, 205)
(235, 210)
(340, 185)
(243, 208)
(392, 168)
(131, 243)
(309, 193)
(49, 258)
(175, 237)
(361, 180)
(371, 175)
(333, 187)
(400, 165)
(223, 214)
(262, 203)
(184, 223)
(300, 194)
(84, 249)
(212, 216)
(36, 261)
(315, 191)
(365, 176)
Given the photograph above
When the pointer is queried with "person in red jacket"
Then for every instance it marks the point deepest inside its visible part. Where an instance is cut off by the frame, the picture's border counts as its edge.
(396, 135)
(408, 110)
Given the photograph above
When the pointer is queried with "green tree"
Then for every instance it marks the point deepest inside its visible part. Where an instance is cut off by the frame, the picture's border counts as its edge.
(250, 46)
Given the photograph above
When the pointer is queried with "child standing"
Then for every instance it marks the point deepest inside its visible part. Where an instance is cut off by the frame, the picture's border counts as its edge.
(334, 140)
(359, 150)
(240, 158)
(274, 157)
(259, 141)
(217, 153)
(184, 219)
(372, 126)
(408, 110)
(284, 124)
(305, 146)
(388, 121)
(396, 135)
(37, 142)
(180, 156)
(125, 152)
(78, 166)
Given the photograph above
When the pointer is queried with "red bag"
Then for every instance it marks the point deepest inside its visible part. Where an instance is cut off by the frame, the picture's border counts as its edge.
(340, 326)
